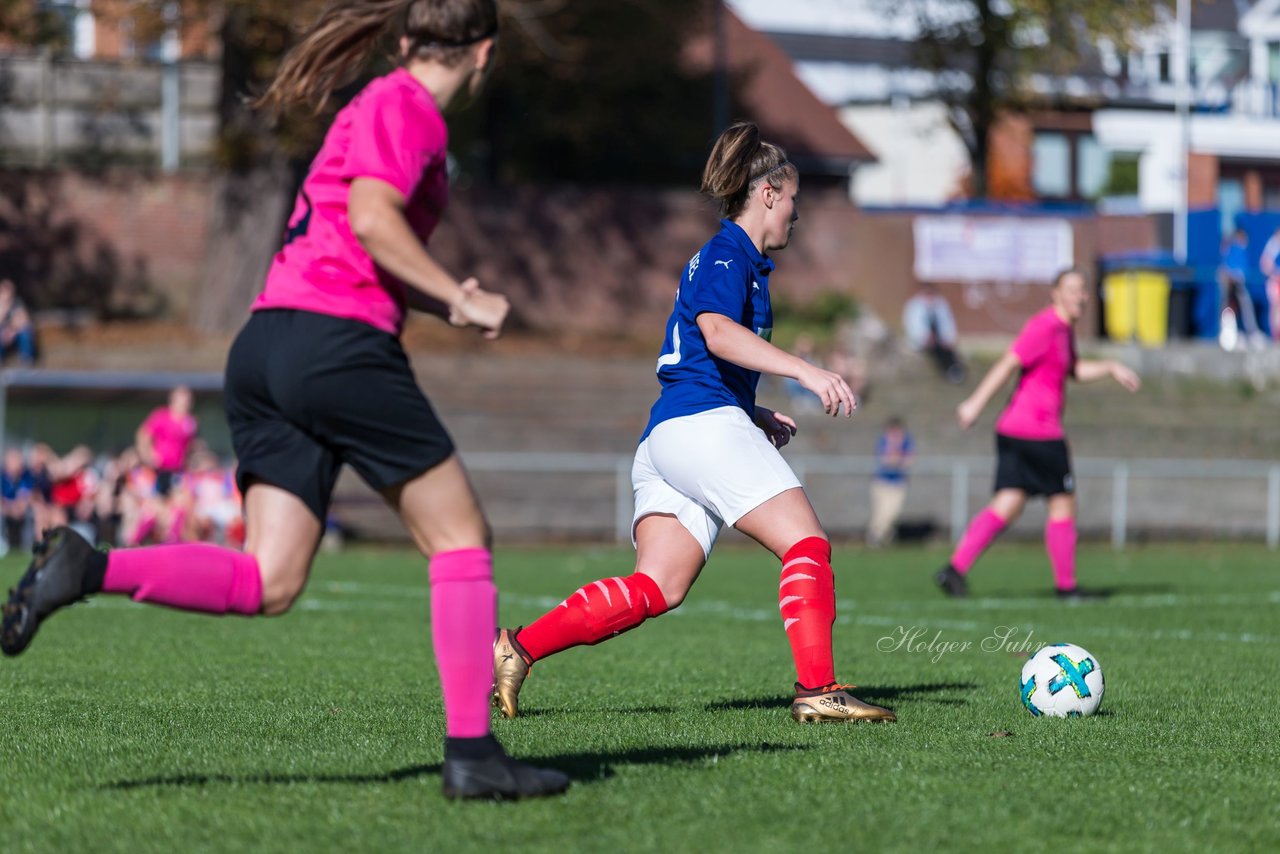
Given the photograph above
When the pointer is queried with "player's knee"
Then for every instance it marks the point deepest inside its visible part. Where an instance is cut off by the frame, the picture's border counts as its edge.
(672, 596)
(280, 589)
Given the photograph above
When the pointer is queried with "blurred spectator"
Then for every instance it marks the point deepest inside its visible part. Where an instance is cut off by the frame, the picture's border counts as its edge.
(75, 483)
(115, 501)
(39, 463)
(215, 510)
(17, 334)
(1233, 274)
(165, 437)
(16, 486)
(800, 398)
(1270, 264)
(854, 371)
(894, 451)
(930, 328)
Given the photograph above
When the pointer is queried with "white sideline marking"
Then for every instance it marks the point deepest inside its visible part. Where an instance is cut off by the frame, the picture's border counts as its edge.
(375, 596)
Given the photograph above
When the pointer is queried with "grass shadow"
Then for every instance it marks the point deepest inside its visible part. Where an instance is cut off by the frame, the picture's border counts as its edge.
(611, 710)
(1092, 593)
(582, 767)
(874, 694)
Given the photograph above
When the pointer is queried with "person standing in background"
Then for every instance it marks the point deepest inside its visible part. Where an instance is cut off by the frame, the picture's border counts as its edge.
(1270, 264)
(17, 332)
(1233, 275)
(895, 450)
(930, 328)
(165, 437)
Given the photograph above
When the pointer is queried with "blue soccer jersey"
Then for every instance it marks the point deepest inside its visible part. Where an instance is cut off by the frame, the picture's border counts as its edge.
(727, 276)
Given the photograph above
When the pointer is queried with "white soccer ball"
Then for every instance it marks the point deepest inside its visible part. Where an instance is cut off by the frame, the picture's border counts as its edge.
(1062, 680)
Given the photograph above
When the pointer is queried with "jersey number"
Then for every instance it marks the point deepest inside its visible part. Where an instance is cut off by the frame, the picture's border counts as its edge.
(666, 360)
(299, 228)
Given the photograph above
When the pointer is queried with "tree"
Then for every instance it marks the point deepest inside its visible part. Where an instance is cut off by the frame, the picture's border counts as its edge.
(983, 53)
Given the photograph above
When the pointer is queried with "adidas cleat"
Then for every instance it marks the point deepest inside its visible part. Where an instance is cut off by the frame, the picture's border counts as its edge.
(510, 669)
(834, 704)
(498, 777)
(64, 570)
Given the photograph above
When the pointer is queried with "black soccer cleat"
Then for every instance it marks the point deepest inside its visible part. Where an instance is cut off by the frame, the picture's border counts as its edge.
(498, 777)
(952, 582)
(65, 568)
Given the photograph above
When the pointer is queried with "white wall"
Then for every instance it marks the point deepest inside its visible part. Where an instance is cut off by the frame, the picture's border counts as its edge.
(1155, 137)
(921, 159)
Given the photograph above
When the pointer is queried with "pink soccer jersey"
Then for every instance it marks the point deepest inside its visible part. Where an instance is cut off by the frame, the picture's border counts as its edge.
(391, 131)
(170, 437)
(1046, 347)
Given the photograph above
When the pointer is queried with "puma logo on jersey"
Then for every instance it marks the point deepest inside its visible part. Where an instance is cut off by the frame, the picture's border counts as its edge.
(755, 286)
(725, 263)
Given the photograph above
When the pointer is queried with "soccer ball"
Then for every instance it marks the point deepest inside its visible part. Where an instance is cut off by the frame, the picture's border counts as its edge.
(1062, 681)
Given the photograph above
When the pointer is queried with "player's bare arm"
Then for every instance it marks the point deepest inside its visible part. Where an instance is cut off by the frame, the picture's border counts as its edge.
(1000, 373)
(733, 342)
(376, 212)
(1091, 370)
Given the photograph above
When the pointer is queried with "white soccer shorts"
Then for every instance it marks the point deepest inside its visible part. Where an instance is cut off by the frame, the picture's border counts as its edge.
(708, 470)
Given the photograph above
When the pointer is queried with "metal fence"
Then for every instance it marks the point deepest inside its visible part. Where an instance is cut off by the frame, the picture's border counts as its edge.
(55, 109)
(1116, 498)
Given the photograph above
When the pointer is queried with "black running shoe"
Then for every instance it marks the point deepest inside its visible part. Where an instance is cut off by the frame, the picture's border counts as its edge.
(497, 776)
(65, 569)
(952, 582)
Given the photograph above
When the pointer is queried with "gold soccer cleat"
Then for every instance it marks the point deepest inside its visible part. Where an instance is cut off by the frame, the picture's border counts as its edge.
(834, 704)
(509, 672)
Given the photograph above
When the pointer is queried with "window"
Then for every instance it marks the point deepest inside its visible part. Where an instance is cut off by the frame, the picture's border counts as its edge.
(1165, 66)
(1051, 165)
(1093, 164)
(1273, 62)
(1230, 202)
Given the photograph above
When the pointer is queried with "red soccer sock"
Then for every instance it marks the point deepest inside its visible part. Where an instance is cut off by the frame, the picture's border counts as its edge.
(982, 531)
(1060, 542)
(807, 601)
(595, 612)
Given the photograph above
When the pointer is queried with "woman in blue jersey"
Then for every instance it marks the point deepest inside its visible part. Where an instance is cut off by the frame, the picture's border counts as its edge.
(709, 456)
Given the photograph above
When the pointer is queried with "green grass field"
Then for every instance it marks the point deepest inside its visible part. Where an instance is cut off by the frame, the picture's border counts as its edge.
(135, 728)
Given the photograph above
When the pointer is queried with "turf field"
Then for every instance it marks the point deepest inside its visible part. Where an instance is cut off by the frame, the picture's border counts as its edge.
(134, 728)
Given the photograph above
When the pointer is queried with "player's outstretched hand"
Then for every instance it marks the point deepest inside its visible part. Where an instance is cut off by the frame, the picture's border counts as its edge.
(778, 427)
(1127, 378)
(830, 388)
(967, 413)
(479, 308)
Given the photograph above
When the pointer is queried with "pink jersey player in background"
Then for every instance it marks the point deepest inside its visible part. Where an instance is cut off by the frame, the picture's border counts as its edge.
(1031, 447)
(318, 379)
(165, 437)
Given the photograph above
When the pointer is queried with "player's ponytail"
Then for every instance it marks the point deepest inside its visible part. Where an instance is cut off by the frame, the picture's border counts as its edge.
(739, 161)
(339, 42)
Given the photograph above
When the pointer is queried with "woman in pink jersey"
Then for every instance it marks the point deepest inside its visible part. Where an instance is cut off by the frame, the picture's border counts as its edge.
(317, 378)
(165, 437)
(1031, 447)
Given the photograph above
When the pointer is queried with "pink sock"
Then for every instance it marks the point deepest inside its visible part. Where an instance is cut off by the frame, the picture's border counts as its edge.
(145, 526)
(984, 528)
(192, 577)
(1060, 542)
(464, 620)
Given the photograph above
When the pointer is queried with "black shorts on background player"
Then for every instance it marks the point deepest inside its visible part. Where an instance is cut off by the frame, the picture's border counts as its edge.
(307, 392)
(1037, 467)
